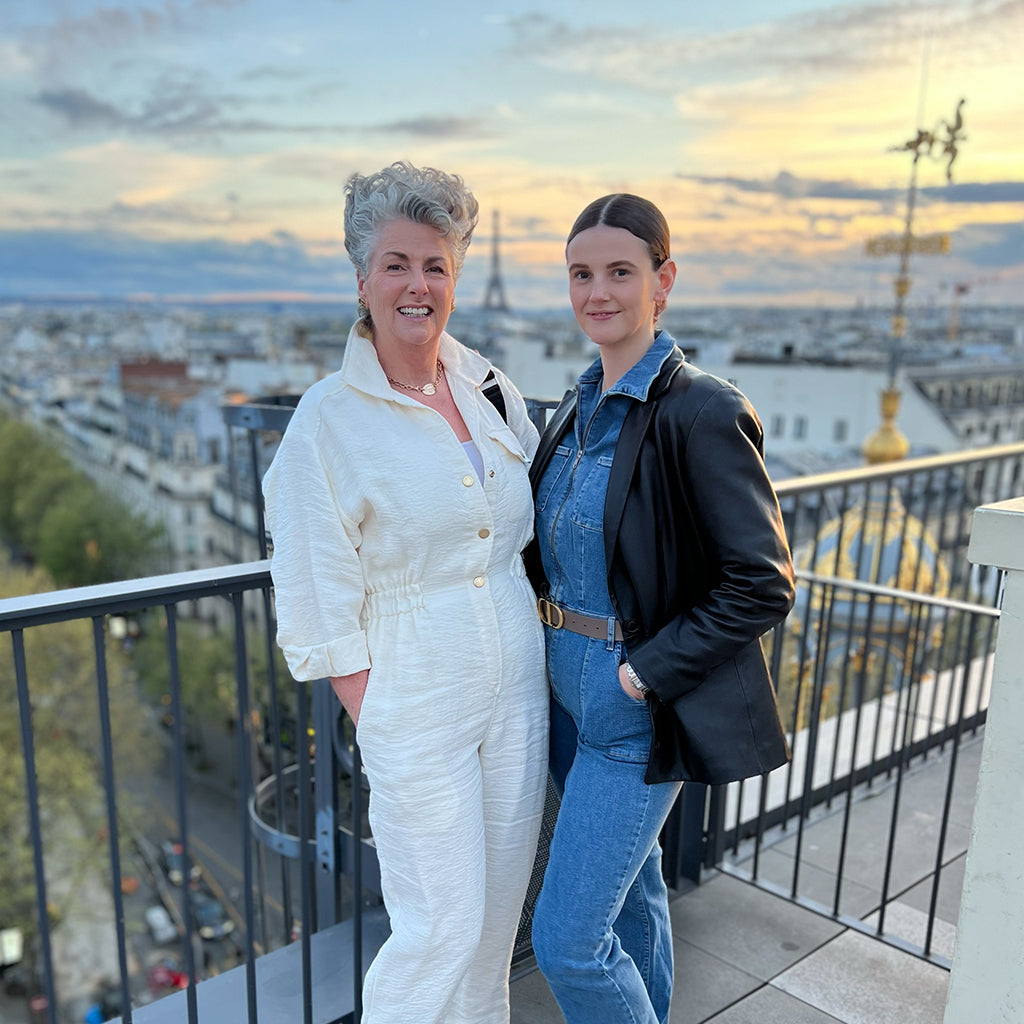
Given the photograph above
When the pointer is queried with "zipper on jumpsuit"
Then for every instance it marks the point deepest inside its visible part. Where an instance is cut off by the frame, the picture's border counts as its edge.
(572, 476)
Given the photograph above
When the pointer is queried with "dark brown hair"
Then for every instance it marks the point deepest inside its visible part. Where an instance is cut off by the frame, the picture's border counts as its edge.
(638, 216)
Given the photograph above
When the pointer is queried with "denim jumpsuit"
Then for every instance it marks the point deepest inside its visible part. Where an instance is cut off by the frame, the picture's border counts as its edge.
(601, 930)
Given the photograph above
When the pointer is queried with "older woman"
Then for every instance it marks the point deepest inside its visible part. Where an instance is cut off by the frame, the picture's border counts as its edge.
(399, 505)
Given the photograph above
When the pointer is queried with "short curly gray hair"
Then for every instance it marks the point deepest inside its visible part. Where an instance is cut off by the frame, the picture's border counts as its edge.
(420, 194)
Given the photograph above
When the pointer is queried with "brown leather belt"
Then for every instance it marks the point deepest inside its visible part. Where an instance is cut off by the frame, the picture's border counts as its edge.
(559, 617)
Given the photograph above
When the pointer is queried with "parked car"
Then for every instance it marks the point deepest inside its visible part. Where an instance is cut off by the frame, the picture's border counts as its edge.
(172, 853)
(211, 920)
(20, 979)
(107, 1003)
(166, 976)
(160, 925)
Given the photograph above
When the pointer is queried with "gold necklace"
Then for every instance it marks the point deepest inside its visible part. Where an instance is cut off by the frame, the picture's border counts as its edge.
(429, 388)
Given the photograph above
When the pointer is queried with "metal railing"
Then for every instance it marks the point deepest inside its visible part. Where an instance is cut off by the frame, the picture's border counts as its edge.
(94, 605)
(859, 664)
(860, 725)
(882, 664)
(874, 522)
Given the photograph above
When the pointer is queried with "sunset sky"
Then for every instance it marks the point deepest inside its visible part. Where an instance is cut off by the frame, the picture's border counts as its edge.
(199, 147)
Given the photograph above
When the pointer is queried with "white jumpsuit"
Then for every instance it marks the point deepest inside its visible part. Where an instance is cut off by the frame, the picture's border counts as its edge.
(390, 554)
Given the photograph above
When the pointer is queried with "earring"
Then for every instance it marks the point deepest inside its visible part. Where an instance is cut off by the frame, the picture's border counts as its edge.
(453, 306)
(362, 308)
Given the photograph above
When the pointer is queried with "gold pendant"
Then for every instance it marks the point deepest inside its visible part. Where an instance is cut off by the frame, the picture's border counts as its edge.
(428, 389)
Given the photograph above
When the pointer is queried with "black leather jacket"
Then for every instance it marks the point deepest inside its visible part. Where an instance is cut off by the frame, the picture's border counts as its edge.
(698, 570)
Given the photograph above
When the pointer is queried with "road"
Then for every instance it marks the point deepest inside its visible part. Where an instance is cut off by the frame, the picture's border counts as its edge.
(215, 830)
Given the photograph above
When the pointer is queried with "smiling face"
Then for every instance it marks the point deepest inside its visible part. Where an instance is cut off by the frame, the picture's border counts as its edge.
(409, 284)
(614, 289)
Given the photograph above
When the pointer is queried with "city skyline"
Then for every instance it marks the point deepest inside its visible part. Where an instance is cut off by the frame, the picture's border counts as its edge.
(199, 149)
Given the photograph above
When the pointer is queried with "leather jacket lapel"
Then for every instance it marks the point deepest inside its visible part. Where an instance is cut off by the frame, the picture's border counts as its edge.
(632, 435)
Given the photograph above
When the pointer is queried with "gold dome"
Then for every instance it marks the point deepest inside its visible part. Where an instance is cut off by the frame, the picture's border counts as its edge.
(887, 443)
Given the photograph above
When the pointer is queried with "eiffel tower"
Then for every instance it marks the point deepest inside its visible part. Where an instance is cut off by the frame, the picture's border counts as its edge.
(494, 296)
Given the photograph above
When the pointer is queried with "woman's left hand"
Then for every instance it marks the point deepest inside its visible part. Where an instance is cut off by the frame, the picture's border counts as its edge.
(628, 688)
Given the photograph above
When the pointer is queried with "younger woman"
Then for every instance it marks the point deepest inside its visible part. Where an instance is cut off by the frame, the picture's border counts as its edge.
(661, 559)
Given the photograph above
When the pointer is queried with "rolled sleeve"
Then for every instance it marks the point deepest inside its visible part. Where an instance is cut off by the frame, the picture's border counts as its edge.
(339, 657)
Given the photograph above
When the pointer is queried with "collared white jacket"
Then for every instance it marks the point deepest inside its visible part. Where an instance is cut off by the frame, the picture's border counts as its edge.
(388, 552)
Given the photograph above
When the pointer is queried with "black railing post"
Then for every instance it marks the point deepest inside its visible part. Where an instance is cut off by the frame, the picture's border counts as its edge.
(947, 802)
(178, 732)
(325, 803)
(709, 806)
(35, 829)
(254, 465)
(684, 836)
(305, 864)
(244, 788)
(113, 829)
(357, 883)
(274, 714)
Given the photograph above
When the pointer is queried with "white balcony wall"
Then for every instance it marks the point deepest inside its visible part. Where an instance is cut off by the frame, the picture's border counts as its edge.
(987, 982)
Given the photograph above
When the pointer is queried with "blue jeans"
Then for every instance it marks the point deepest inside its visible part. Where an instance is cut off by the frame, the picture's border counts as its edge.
(601, 930)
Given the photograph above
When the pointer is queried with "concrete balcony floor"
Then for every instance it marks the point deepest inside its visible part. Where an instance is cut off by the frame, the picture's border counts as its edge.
(746, 956)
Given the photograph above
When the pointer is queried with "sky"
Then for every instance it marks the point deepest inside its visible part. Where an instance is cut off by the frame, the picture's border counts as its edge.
(199, 148)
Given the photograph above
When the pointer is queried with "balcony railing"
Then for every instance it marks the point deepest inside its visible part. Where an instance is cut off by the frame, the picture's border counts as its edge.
(877, 668)
(864, 718)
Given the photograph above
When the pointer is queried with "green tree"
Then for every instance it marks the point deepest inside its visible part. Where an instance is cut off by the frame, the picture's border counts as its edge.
(37, 492)
(85, 538)
(21, 451)
(206, 667)
(59, 516)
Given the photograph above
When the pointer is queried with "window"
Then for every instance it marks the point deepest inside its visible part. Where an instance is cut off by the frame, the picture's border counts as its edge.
(800, 427)
(778, 426)
(840, 429)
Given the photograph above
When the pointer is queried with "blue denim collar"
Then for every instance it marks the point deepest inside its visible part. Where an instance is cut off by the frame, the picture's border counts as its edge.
(637, 380)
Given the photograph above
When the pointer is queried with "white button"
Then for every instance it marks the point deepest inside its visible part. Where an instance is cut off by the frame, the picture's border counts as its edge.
(467, 480)
(484, 533)
(478, 581)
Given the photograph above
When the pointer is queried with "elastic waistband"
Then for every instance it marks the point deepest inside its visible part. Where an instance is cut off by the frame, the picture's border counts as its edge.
(407, 597)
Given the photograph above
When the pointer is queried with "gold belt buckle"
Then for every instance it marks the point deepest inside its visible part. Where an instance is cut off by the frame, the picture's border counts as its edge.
(550, 614)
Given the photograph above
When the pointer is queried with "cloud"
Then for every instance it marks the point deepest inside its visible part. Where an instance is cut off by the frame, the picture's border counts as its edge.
(61, 43)
(789, 186)
(832, 42)
(53, 263)
(992, 246)
(180, 106)
(176, 214)
(973, 192)
(271, 73)
(435, 127)
(80, 109)
(172, 108)
(13, 60)
(40, 264)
